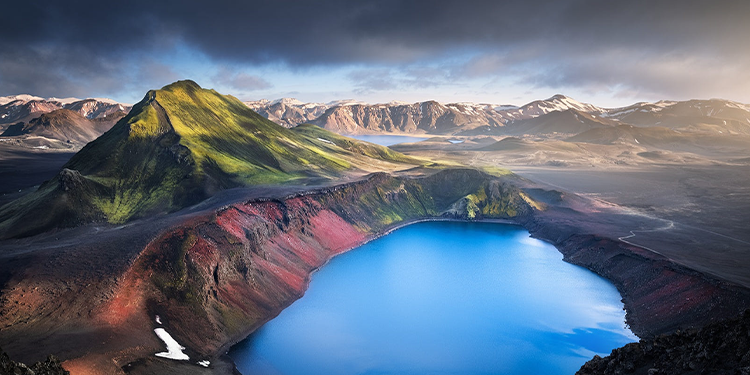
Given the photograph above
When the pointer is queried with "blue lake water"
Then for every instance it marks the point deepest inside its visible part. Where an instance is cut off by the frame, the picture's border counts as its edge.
(387, 140)
(443, 298)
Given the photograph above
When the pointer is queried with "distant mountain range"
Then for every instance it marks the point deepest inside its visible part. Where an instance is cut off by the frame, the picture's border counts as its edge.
(23, 108)
(32, 121)
(62, 125)
(557, 115)
(74, 122)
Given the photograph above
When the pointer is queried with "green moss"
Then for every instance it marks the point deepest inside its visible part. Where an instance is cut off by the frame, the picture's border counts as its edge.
(496, 171)
(182, 143)
(171, 269)
(144, 124)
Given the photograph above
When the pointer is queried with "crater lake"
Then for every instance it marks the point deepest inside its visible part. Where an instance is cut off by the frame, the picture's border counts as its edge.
(443, 298)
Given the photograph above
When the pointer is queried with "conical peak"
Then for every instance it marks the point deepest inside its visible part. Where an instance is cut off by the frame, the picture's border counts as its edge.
(183, 85)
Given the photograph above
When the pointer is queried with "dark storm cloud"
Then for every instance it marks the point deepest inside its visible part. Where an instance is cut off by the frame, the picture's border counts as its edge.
(552, 43)
(239, 80)
(367, 81)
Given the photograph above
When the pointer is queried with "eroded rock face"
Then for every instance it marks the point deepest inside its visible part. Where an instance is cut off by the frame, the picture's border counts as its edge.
(70, 179)
(719, 348)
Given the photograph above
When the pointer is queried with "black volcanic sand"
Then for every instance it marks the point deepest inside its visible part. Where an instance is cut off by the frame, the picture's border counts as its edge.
(21, 168)
(719, 348)
(699, 214)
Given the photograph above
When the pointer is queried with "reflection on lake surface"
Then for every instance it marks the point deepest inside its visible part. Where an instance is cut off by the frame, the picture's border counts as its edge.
(387, 140)
(447, 298)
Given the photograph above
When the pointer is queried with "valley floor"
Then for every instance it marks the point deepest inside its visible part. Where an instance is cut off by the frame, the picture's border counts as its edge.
(701, 212)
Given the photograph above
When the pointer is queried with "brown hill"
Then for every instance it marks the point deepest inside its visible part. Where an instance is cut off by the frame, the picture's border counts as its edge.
(569, 121)
(662, 138)
(701, 116)
(64, 125)
(23, 111)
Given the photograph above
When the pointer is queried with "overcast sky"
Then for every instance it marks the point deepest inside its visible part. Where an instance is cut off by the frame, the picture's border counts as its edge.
(610, 53)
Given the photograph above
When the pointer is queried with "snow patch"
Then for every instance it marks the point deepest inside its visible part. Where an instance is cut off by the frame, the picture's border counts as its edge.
(287, 101)
(397, 103)
(105, 100)
(23, 97)
(174, 349)
(204, 363)
(505, 107)
(158, 319)
(325, 140)
(636, 141)
(63, 101)
(345, 102)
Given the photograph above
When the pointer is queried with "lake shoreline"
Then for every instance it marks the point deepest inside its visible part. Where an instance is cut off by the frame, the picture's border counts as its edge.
(225, 348)
(440, 271)
(641, 326)
(580, 249)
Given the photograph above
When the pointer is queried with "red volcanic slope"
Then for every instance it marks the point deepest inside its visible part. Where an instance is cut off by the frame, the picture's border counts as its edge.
(230, 290)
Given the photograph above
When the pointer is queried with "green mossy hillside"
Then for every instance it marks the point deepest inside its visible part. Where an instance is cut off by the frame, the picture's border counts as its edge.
(492, 200)
(183, 143)
(454, 193)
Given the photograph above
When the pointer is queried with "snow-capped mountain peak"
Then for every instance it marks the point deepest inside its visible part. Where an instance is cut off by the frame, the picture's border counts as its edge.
(23, 108)
(23, 98)
(63, 101)
(287, 101)
(345, 102)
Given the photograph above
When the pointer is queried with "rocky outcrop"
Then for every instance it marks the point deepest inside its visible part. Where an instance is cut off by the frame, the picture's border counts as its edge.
(50, 366)
(719, 348)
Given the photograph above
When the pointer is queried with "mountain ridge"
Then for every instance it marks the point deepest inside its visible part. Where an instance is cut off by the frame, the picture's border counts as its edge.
(64, 125)
(24, 107)
(463, 118)
(179, 146)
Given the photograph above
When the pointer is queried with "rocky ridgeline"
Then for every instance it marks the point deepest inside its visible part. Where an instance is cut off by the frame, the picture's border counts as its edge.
(51, 366)
(718, 348)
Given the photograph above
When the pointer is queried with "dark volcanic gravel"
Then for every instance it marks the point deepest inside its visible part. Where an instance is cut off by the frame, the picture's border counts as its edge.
(718, 348)
(51, 366)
